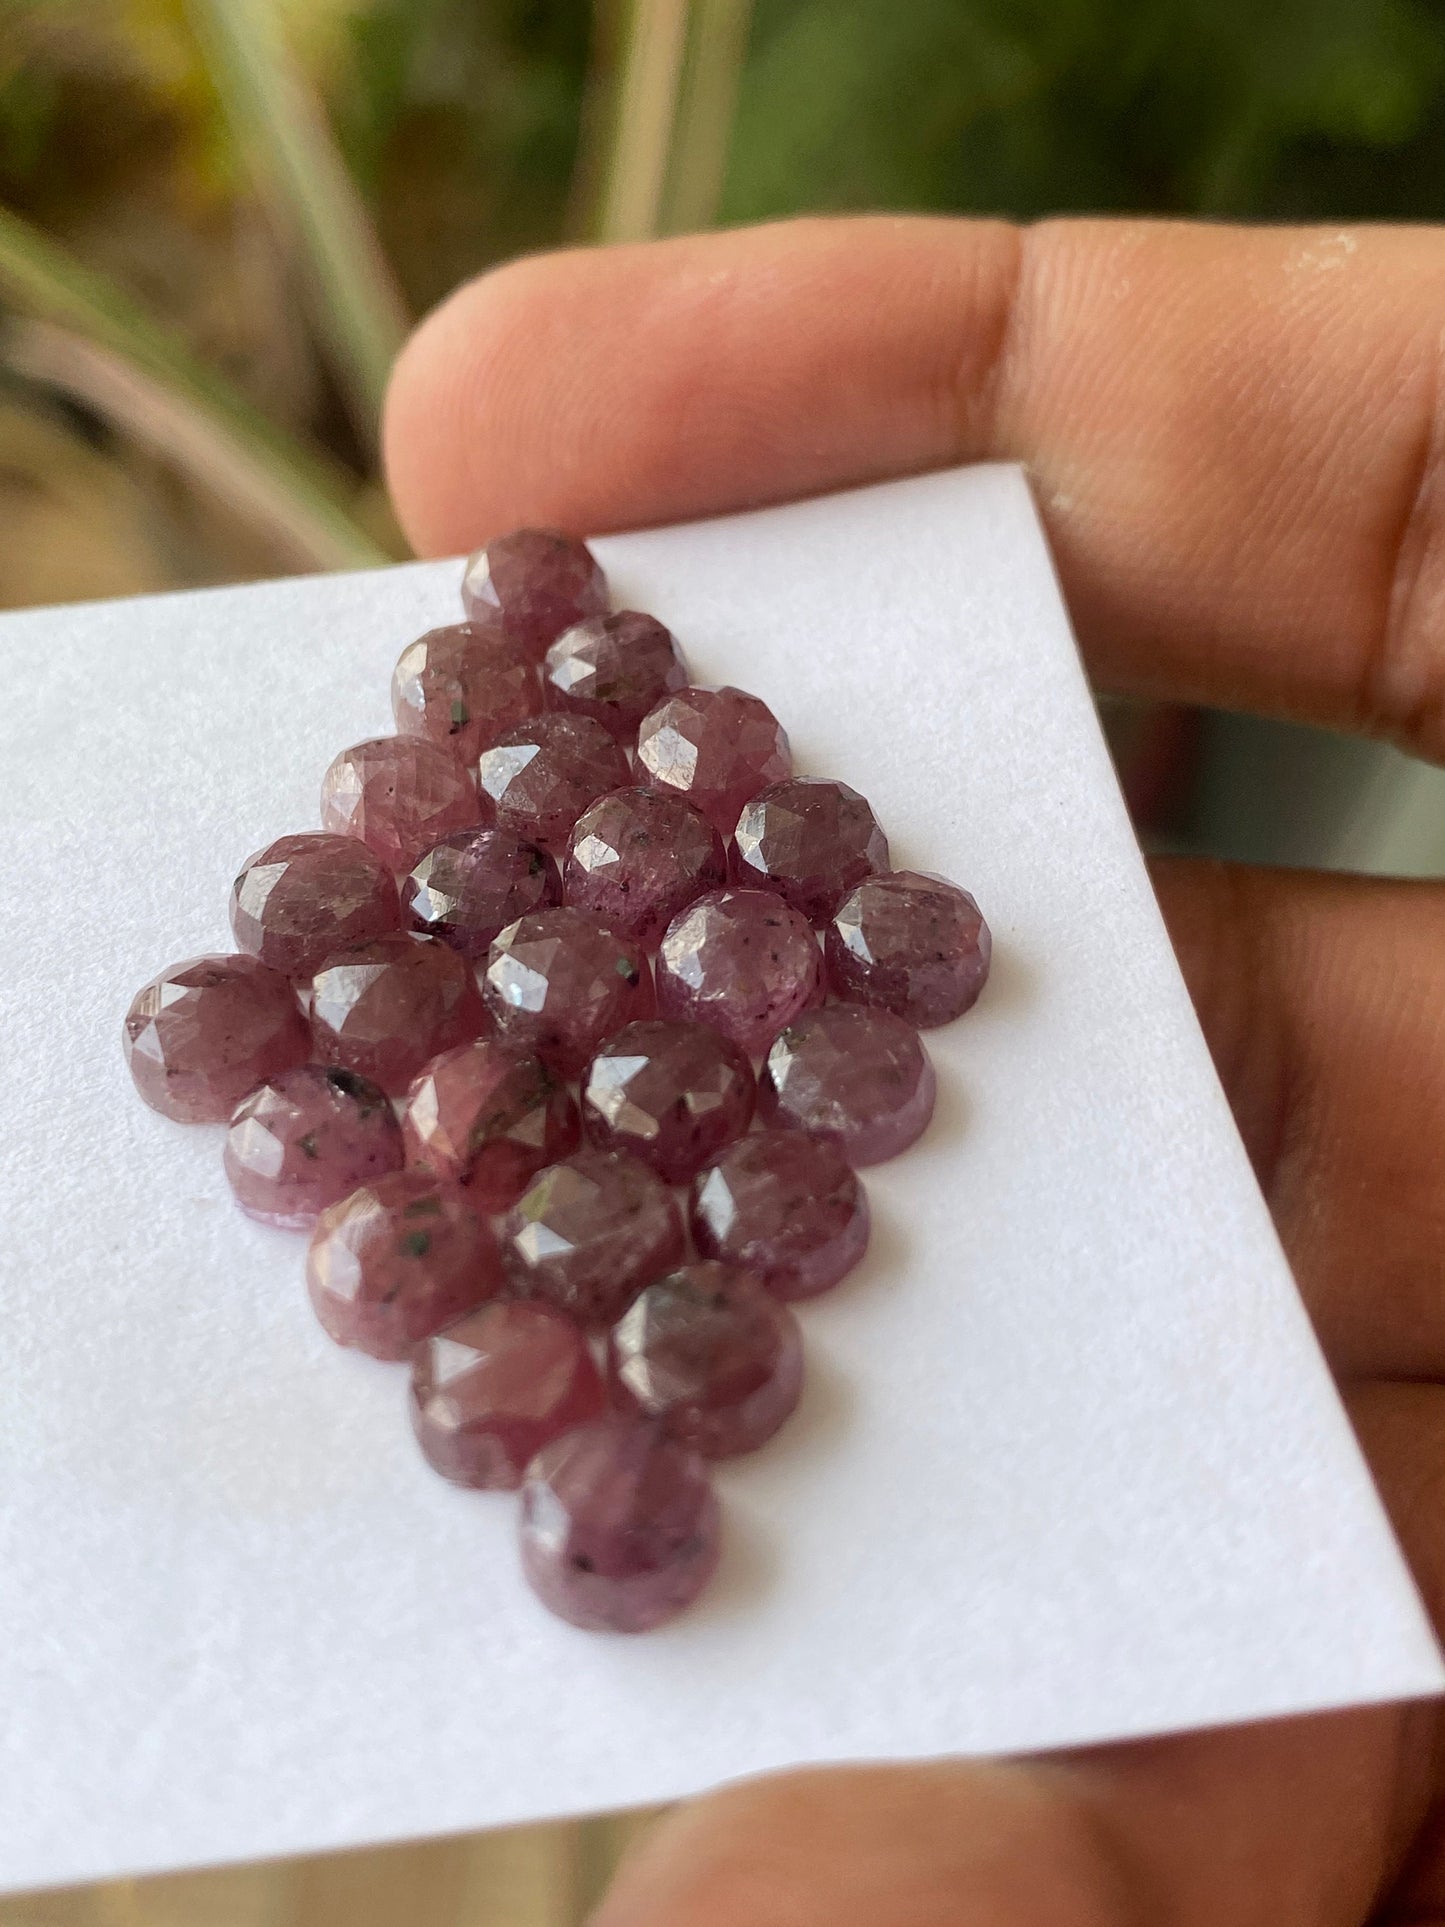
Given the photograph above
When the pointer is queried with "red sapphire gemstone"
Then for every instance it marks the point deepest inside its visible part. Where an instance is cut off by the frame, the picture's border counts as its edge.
(743, 961)
(672, 1094)
(785, 1206)
(557, 984)
(589, 1233)
(613, 669)
(206, 1032)
(472, 885)
(461, 686)
(400, 795)
(388, 1007)
(912, 944)
(861, 1077)
(638, 857)
(490, 1118)
(810, 840)
(540, 775)
(538, 581)
(307, 1139)
(304, 896)
(716, 747)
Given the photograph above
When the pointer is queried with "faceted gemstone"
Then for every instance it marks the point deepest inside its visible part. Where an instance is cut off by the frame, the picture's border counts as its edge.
(620, 1527)
(490, 1391)
(385, 1008)
(472, 885)
(304, 896)
(206, 1032)
(912, 944)
(307, 1139)
(557, 984)
(590, 1233)
(400, 795)
(462, 686)
(711, 1354)
(861, 1077)
(490, 1118)
(672, 1094)
(538, 582)
(639, 856)
(540, 775)
(397, 1260)
(614, 669)
(743, 961)
(716, 747)
(784, 1206)
(810, 840)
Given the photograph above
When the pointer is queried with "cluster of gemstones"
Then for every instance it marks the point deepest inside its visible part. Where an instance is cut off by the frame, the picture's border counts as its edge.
(563, 1039)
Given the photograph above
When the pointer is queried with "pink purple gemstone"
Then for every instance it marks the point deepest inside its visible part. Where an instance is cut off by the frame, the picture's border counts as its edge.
(638, 857)
(538, 581)
(673, 1094)
(742, 961)
(304, 896)
(490, 1391)
(620, 1527)
(307, 1139)
(461, 686)
(811, 840)
(557, 984)
(860, 1077)
(400, 795)
(386, 1008)
(716, 747)
(206, 1032)
(614, 669)
(542, 774)
(396, 1260)
(912, 944)
(589, 1233)
(711, 1354)
(472, 885)
(785, 1206)
(490, 1118)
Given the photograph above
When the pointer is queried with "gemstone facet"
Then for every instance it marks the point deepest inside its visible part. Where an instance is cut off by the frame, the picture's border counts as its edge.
(304, 896)
(716, 747)
(206, 1032)
(741, 960)
(490, 1391)
(538, 581)
(614, 669)
(638, 857)
(589, 1233)
(306, 1139)
(461, 686)
(673, 1094)
(811, 840)
(540, 775)
(861, 1077)
(472, 885)
(399, 794)
(385, 1008)
(398, 1259)
(488, 1117)
(912, 944)
(557, 984)
(620, 1527)
(785, 1206)
(713, 1355)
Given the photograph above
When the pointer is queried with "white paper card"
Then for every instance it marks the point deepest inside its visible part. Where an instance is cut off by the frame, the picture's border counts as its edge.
(1069, 1466)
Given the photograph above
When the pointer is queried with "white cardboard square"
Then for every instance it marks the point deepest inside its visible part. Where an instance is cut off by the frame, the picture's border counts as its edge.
(1069, 1467)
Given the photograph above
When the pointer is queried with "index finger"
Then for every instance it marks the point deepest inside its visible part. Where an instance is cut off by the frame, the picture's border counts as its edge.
(1235, 435)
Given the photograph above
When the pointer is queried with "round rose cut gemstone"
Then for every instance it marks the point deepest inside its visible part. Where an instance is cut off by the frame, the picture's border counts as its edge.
(589, 1233)
(400, 795)
(558, 984)
(620, 1527)
(542, 774)
(613, 669)
(304, 896)
(206, 1032)
(307, 1139)
(472, 885)
(538, 582)
(785, 1206)
(860, 1077)
(638, 857)
(488, 1117)
(490, 1391)
(461, 686)
(811, 840)
(672, 1094)
(398, 1259)
(713, 1355)
(912, 944)
(386, 1008)
(743, 961)
(716, 747)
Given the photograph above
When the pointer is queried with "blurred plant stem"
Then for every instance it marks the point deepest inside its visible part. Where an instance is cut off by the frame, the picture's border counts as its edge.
(88, 337)
(283, 137)
(702, 133)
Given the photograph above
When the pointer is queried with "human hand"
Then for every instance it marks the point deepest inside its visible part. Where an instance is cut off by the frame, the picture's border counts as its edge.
(1237, 440)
